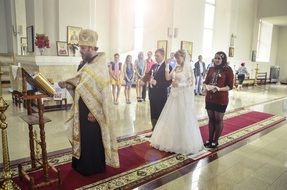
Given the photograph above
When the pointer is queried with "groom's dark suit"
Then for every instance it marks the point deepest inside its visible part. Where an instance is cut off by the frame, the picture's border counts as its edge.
(158, 93)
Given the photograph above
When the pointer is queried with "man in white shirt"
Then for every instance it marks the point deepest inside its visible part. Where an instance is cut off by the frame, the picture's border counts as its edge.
(199, 72)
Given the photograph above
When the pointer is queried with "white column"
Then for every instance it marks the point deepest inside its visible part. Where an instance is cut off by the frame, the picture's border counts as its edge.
(51, 24)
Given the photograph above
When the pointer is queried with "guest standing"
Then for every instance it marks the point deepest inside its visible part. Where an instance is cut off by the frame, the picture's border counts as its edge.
(199, 72)
(115, 69)
(218, 82)
(241, 72)
(148, 64)
(139, 73)
(128, 77)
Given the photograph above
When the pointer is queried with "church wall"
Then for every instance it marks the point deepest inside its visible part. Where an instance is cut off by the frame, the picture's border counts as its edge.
(7, 21)
(281, 54)
(237, 20)
(189, 19)
(127, 26)
(122, 27)
(3, 32)
(158, 17)
(267, 8)
(114, 21)
(244, 28)
(243, 23)
(51, 15)
(274, 45)
(102, 25)
(225, 23)
(275, 8)
(75, 13)
(231, 17)
(20, 22)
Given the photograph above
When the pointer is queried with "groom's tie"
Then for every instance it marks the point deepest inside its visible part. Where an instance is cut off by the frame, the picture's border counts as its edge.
(157, 67)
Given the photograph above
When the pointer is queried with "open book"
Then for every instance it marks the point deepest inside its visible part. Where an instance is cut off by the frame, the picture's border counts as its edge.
(44, 83)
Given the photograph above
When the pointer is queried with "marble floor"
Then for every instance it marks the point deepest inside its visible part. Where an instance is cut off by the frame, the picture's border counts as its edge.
(260, 164)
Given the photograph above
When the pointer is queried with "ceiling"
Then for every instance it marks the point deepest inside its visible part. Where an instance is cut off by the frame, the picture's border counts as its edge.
(279, 21)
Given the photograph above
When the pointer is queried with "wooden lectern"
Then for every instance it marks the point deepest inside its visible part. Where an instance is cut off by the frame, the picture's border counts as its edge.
(43, 89)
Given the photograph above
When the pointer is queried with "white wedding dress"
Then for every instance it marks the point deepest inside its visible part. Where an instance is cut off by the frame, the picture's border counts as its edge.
(177, 128)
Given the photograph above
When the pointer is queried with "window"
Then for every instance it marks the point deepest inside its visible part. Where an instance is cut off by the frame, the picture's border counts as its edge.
(138, 24)
(264, 41)
(208, 27)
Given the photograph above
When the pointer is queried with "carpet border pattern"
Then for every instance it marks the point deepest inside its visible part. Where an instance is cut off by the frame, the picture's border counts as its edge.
(156, 169)
(144, 173)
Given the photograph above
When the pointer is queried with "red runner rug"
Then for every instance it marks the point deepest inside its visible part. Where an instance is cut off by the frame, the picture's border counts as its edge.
(141, 163)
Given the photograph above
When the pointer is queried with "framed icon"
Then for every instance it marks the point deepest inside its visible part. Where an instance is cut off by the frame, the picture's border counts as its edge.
(30, 38)
(188, 46)
(253, 56)
(162, 44)
(73, 34)
(62, 48)
(231, 52)
(23, 45)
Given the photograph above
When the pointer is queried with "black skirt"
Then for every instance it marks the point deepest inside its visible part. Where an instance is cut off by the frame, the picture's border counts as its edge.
(215, 107)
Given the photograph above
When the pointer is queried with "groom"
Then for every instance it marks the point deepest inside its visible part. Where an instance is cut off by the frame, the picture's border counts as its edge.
(158, 88)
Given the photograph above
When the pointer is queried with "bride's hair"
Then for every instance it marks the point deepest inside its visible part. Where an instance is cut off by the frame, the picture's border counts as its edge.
(180, 53)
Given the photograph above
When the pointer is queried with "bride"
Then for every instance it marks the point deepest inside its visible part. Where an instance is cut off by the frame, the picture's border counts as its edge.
(177, 129)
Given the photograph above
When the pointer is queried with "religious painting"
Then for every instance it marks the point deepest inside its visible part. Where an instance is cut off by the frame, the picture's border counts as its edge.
(30, 38)
(231, 52)
(73, 34)
(162, 44)
(188, 46)
(23, 45)
(62, 48)
(253, 56)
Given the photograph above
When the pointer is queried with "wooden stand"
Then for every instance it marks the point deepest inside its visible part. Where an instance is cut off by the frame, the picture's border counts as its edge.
(36, 119)
(261, 78)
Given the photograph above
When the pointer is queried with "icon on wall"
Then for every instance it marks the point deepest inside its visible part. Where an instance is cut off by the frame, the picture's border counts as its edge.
(185, 45)
(231, 52)
(253, 56)
(73, 34)
(30, 38)
(162, 44)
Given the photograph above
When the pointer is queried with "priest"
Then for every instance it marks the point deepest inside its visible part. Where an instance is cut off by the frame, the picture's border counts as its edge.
(93, 141)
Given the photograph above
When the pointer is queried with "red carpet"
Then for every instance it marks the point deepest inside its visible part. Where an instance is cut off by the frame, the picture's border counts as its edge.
(238, 122)
(140, 163)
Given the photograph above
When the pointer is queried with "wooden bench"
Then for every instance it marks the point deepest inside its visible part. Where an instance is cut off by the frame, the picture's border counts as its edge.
(261, 78)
